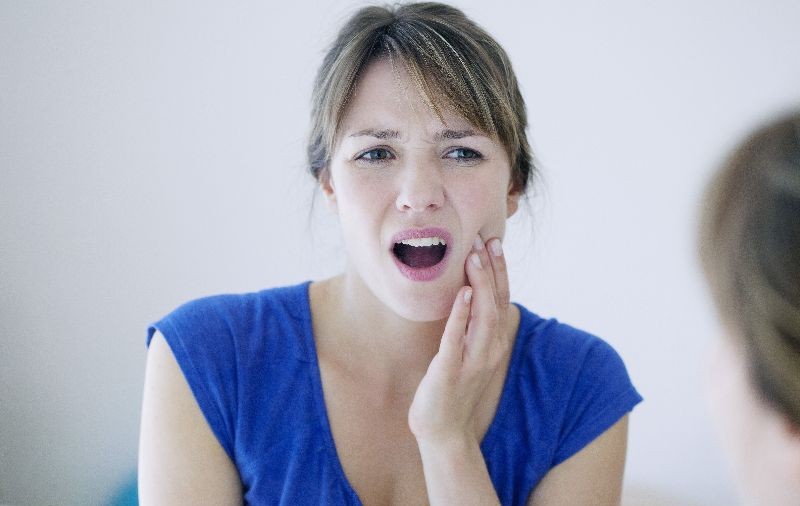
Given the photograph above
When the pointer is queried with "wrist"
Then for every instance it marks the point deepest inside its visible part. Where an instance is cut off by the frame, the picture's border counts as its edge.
(456, 444)
(455, 470)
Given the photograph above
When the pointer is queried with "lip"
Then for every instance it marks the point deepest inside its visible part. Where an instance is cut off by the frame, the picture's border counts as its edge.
(427, 273)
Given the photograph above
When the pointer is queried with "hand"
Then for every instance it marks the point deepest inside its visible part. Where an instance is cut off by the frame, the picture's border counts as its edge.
(474, 344)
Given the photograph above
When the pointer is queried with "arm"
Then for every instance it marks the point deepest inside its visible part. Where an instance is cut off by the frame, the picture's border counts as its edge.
(455, 473)
(442, 414)
(180, 459)
(591, 477)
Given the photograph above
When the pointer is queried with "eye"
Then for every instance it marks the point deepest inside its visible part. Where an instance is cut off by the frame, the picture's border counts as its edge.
(375, 155)
(463, 155)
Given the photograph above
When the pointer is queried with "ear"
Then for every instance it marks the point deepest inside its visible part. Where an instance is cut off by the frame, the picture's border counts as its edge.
(326, 185)
(512, 200)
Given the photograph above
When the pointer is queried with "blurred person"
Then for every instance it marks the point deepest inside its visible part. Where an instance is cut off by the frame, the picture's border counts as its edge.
(750, 252)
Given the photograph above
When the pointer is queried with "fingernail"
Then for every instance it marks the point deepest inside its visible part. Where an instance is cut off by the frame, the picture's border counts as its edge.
(468, 295)
(476, 260)
(497, 247)
(478, 244)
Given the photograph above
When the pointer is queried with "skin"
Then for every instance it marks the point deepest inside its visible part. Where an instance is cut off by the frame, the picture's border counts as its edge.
(763, 447)
(173, 433)
(412, 371)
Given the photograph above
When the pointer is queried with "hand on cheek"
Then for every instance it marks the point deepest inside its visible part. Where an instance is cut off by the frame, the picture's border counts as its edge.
(473, 346)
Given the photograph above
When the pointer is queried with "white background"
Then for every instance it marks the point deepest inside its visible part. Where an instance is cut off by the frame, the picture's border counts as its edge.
(153, 152)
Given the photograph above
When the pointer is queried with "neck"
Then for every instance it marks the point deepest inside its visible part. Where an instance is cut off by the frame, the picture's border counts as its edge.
(369, 332)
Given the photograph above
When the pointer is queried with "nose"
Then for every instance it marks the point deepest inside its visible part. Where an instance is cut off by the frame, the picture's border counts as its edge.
(421, 188)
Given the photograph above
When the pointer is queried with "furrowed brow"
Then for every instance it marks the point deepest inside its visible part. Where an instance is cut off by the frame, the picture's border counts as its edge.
(394, 134)
(378, 134)
(457, 134)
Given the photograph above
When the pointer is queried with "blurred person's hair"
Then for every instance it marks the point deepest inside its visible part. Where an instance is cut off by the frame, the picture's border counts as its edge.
(452, 62)
(750, 252)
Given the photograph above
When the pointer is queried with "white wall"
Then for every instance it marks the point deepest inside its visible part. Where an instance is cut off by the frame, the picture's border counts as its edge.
(152, 152)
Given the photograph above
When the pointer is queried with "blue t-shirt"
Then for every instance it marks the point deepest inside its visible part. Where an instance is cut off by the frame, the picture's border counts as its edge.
(251, 362)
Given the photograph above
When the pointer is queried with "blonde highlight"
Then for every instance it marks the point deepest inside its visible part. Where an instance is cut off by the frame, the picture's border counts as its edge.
(452, 62)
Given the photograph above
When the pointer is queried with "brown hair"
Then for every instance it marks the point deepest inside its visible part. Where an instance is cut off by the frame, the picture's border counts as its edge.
(451, 60)
(750, 251)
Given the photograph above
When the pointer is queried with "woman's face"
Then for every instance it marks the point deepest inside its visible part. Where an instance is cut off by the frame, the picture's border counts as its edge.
(398, 173)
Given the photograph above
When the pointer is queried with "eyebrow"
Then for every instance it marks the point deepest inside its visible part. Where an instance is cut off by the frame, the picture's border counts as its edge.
(379, 134)
(394, 134)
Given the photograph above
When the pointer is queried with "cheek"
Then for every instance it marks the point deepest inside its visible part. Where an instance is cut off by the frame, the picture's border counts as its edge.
(361, 198)
(733, 407)
(485, 206)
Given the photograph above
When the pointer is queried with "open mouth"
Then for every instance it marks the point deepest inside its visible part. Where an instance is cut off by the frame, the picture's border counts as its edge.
(420, 253)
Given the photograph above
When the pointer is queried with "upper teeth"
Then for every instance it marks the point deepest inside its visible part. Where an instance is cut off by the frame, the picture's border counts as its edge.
(424, 241)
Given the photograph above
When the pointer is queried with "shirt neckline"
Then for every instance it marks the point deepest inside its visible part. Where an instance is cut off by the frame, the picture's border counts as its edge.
(332, 457)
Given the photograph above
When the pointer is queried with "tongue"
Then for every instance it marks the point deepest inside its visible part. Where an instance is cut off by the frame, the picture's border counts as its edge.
(419, 257)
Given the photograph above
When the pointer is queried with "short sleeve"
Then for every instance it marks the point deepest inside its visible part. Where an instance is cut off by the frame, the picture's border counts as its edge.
(200, 337)
(602, 394)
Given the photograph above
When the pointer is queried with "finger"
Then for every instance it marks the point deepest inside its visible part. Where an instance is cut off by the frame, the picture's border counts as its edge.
(452, 345)
(479, 247)
(500, 270)
(482, 326)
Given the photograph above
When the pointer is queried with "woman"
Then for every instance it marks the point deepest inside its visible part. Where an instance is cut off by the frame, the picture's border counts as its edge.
(750, 250)
(409, 378)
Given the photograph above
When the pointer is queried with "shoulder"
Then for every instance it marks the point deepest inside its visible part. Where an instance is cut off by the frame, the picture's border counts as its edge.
(561, 351)
(172, 433)
(221, 321)
(565, 387)
(231, 314)
(220, 340)
(222, 344)
(579, 379)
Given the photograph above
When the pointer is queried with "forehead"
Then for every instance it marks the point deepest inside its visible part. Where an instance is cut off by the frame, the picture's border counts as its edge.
(386, 95)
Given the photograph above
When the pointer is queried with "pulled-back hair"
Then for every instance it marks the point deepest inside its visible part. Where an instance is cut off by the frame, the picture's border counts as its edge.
(750, 250)
(451, 60)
